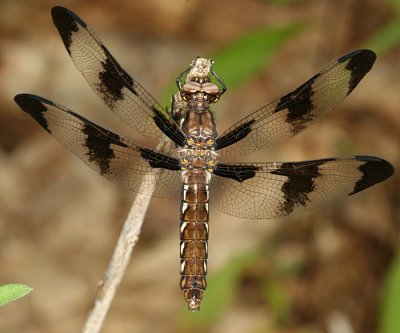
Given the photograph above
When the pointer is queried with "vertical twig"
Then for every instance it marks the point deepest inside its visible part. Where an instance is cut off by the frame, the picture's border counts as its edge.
(117, 266)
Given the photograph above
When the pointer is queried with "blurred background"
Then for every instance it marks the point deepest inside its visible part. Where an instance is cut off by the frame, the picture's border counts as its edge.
(336, 269)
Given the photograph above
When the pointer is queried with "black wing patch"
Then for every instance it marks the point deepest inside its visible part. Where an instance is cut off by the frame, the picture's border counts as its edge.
(300, 182)
(236, 172)
(35, 107)
(358, 64)
(374, 170)
(157, 160)
(299, 106)
(169, 129)
(234, 136)
(292, 113)
(66, 25)
(98, 144)
(113, 79)
(112, 156)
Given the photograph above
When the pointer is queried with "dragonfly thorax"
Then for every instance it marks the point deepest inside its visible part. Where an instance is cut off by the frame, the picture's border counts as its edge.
(199, 149)
(196, 159)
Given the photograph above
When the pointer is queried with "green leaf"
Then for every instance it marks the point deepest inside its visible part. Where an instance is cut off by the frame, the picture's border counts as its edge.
(345, 147)
(396, 5)
(281, 2)
(386, 38)
(244, 57)
(278, 300)
(11, 292)
(389, 315)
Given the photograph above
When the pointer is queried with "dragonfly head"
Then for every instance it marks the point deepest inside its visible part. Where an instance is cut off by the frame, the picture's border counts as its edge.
(198, 87)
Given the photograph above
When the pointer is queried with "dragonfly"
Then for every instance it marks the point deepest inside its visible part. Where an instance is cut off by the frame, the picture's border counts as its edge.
(185, 151)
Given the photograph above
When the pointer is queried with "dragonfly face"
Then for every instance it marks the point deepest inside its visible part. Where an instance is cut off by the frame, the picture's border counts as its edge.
(248, 190)
(198, 89)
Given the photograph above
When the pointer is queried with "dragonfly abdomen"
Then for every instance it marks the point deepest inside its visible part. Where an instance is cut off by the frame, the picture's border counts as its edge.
(194, 236)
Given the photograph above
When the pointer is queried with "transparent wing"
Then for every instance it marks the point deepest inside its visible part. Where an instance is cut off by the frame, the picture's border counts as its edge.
(267, 190)
(125, 97)
(289, 115)
(116, 158)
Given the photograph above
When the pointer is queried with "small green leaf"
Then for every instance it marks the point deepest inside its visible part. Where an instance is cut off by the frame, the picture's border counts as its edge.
(242, 59)
(386, 38)
(389, 35)
(389, 315)
(281, 2)
(11, 292)
(345, 147)
(278, 300)
(396, 5)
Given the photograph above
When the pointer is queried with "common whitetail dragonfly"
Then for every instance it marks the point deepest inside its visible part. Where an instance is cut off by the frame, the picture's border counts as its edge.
(187, 157)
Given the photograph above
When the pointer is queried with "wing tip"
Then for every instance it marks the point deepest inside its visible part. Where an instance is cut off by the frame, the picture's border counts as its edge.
(20, 97)
(26, 97)
(375, 170)
(28, 102)
(66, 23)
(34, 106)
(364, 54)
(384, 167)
(59, 14)
(358, 63)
